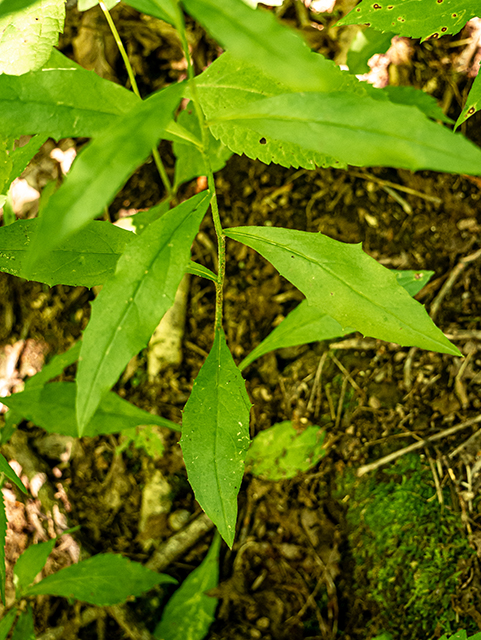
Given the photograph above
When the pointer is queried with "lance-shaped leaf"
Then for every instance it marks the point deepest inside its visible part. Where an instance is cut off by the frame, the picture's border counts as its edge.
(61, 100)
(358, 130)
(31, 562)
(307, 323)
(472, 102)
(52, 407)
(27, 37)
(97, 580)
(3, 535)
(190, 611)
(133, 301)
(414, 18)
(346, 283)
(7, 623)
(87, 259)
(215, 437)
(24, 628)
(101, 170)
(10, 474)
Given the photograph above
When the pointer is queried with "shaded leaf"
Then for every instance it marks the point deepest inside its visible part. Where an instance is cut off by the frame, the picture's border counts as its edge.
(6, 623)
(308, 324)
(24, 628)
(3, 535)
(351, 286)
(87, 259)
(96, 580)
(133, 301)
(366, 43)
(22, 155)
(9, 473)
(55, 367)
(27, 37)
(101, 170)
(31, 562)
(415, 97)
(425, 19)
(12, 6)
(53, 408)
(257, 37)
(280, 452)
(199, 270)
(163, 9)
(6, 166)
(215, 437)
(229, 84)
(359, 130)
(190, 161)
(190, 612)
(61, 100)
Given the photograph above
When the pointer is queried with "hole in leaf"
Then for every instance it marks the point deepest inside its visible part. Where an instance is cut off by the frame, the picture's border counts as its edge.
(262, 141)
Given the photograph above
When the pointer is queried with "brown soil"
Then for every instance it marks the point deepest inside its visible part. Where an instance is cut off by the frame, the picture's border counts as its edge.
(291, 571)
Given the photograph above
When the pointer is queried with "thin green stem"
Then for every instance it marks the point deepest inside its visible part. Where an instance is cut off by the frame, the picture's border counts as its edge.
(158, 162)
(219, 285)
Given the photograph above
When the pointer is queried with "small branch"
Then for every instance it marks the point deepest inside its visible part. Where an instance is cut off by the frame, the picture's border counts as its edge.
(417, 445)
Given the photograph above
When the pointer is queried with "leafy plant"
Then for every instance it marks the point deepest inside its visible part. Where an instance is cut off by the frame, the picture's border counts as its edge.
(267, 96)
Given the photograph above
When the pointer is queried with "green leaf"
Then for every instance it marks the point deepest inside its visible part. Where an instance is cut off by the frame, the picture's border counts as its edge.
(280, 452)
(413, 281)
(22, 155)
(163, 9)
(87, 259)
(215, 437)
(55, 367)
(96, 581)
(304, 324)
(257, 37)
(308, 324)
(61, 100)
(30, 563)
(6, 166)
(190, 612)
(472, 102)
(416, 98)
(142, 219)
(343, 281)
(24, 628)
(101, 170)
(52, 407)
(199, 270)
(133, 301)
(9, 473)
(85, 5)
(425, 19)
(358, 130)
(27, 37)
(229, 84)
(366, 43)
(12, 6)
(3, 535)
(190, 161)
(7, 622)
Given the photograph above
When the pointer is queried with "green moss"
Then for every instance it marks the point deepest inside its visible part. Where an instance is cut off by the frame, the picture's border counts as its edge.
(406, 549)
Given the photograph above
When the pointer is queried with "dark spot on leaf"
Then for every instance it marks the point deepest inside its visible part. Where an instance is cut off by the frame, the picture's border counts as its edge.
(376, 6)
(358, 10)
(439, 1)
(262, 141)
(435, 35)
(444, 29)
(390, 6)
(401, 19)
(454, 15)
(470, 111)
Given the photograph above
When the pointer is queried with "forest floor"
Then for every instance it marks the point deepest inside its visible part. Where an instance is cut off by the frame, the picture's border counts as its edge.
(326, 554)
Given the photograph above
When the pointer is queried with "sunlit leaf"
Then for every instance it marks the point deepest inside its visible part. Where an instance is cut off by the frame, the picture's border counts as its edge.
(190, 612)
(24, 628)
(366, 43)
(87, 259)
(96, 580)
(3, 535)
(10, 474)
(342, 280)
(215, 437)
(52, 407)
(162, 9)
(61, 100)
(427, 19)
(7, 622)
(358, 130)
(133, 301)
(101, 170)
(27, 37)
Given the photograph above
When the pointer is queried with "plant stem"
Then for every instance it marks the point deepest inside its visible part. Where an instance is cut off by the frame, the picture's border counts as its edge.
(155, 153)
(219, 285)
